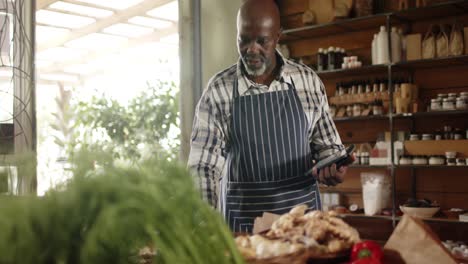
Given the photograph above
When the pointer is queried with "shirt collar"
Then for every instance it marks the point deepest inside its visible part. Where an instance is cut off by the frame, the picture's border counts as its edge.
(244, 83)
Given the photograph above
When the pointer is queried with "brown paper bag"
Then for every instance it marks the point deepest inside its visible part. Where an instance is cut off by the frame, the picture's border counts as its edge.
(442, 42)
(413, 242)
(428, 44)
(456, 41)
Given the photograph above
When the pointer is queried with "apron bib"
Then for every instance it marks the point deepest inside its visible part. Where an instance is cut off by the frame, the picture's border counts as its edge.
(268, 157)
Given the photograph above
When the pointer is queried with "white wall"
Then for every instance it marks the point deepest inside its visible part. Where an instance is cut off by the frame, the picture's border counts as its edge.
(218, 35)
(218, 40)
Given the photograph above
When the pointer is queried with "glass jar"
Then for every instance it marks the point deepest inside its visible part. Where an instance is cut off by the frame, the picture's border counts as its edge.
(437, 160)
(365, 158)
(448, 104)
(420, 160)
(442, 96)
(357, 109)
(460, 162)
(349, 110)
(427, 137)
(452, 96)
(414, 137)
(377, 109)
(458, 134)
(405, 160)
(460, 104)
(436, 104)
(451, 162)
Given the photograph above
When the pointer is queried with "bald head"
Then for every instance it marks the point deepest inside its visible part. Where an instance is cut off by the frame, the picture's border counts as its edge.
(255, 12)
(258, 32)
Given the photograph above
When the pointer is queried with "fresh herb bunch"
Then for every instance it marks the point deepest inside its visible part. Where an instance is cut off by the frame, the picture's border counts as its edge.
(107, 214)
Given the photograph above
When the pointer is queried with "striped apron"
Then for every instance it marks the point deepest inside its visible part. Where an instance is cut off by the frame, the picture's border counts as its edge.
(268, 157)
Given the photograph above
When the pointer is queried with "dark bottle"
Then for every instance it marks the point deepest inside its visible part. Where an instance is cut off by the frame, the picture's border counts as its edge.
(331, 58)
(321, 60)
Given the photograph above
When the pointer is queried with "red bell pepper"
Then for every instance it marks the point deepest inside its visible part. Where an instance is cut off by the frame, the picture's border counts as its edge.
(366, 252)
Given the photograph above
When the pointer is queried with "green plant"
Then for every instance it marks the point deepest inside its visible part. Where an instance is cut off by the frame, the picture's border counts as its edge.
(140, 129)
(105, 215)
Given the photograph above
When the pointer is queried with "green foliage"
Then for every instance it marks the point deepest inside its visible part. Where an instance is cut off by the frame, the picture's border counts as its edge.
(105, 215)
(132, 131)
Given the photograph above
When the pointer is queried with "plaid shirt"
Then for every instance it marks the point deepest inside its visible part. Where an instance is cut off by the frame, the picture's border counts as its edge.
(210, 134)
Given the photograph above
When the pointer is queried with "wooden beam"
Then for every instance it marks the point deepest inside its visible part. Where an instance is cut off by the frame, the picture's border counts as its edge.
(157, 35)
(120, 16)
(90, 5)
(41, 4)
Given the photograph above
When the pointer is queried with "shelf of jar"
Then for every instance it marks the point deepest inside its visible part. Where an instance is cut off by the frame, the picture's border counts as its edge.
(449, 8)
(431, 63)
(365, 69)
(402, 116)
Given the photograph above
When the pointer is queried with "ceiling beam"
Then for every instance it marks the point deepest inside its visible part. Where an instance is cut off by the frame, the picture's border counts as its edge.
(157, 35)
(41, 4)
(119, 16)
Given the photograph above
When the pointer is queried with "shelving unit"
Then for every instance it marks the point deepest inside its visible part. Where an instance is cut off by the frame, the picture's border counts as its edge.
(355, 35)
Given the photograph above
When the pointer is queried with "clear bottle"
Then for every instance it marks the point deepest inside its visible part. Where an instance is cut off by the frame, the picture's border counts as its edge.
(382, 46)
(396, 45)
(331, 58)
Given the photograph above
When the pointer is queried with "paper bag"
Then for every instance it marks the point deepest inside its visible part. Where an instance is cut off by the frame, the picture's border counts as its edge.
(413, 242)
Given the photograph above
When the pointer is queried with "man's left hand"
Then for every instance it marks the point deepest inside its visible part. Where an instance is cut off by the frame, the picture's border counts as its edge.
(330, 176)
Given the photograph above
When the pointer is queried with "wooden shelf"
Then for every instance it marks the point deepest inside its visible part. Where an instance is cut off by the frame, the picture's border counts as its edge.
(402, 116)
(430, 167)
(363, 70)
(337, 27)
(431, 114)
(360, 118)
(450, 8)
(431, 63)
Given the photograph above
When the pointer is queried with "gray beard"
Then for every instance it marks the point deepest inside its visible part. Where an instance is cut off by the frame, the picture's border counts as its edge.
(254, 73)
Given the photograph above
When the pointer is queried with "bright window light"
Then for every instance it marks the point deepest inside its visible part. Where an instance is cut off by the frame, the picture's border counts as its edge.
(62, 20)
(96, 41)
(43, 63)
(171, 39)
(168, 11)
(83, 10)
(44, 33)
(6, 72)
(127, 30)
(81, 69)
(150, 22)
(60, 54)
(114, 4)
(58, 77)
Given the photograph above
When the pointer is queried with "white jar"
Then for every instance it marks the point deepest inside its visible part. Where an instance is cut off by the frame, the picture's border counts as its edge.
(419, 160)
(414, 137)
(448, 104)
(436, 104)
(405, 160)
(461, 103)
(427, 137)
(437, 160)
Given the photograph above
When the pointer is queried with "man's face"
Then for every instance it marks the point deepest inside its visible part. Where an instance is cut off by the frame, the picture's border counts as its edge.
(256, 43)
